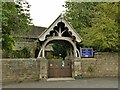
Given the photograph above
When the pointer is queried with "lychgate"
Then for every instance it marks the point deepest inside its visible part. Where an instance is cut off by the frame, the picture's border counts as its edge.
(59, 30)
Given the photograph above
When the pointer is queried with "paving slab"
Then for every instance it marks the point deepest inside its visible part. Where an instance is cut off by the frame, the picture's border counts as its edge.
(60, 79)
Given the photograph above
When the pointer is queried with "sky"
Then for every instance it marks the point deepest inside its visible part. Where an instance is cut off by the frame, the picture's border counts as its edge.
(44, 12)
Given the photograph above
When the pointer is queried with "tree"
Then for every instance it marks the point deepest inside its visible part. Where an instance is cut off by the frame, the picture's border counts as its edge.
(96, 23)
(15, 20)
(60, 48)
(79, 14)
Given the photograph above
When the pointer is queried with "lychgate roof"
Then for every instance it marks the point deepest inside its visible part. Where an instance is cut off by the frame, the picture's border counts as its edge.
(42, 37)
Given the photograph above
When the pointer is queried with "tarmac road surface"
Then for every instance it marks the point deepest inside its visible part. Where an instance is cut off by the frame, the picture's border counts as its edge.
(79, 83)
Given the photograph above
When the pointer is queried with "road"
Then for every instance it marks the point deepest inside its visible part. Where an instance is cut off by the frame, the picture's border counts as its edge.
(80, 83)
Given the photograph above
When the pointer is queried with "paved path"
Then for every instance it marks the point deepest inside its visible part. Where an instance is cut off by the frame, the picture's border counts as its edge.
(80, 83)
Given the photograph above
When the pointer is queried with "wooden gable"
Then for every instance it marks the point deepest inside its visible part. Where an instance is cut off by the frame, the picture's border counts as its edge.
(42, 37)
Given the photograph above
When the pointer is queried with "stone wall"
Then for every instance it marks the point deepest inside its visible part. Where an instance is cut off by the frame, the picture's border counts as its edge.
(43, 68)
(19, 70)
(103, 65)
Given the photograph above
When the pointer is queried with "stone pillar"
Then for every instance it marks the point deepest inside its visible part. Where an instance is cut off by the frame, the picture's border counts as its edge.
(77, 71)
(43, 68)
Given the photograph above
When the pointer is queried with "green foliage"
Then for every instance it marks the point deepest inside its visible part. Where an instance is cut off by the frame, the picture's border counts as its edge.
(14, 21)
(60, 48)
(96, 22)
(7, 42)
(56, 59)
(24, 53)
(90, 69)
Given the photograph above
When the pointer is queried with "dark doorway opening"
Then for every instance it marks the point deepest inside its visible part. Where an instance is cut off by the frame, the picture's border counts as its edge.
(36, 53)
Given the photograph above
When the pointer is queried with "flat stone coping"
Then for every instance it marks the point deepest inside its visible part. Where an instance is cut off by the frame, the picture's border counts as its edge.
(60, 79)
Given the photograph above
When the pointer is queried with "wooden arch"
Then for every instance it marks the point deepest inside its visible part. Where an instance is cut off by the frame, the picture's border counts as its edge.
(76, 51)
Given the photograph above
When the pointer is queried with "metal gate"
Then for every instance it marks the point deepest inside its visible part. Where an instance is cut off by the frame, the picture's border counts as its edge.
(57, 69)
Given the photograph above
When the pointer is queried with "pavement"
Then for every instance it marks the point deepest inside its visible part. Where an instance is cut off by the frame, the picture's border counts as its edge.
(79, 83)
